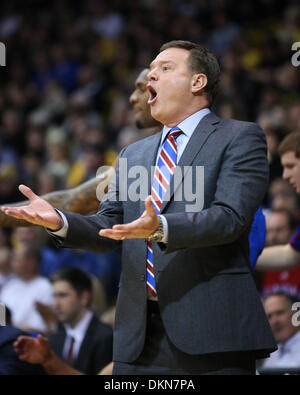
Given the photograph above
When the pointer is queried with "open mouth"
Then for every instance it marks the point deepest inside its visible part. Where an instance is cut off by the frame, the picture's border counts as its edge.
(152, 94)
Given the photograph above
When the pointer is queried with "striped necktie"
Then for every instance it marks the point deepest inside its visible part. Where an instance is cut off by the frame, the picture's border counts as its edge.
(162, 176)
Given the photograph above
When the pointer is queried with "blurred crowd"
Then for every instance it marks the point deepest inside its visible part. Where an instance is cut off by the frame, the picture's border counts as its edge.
(64, 112)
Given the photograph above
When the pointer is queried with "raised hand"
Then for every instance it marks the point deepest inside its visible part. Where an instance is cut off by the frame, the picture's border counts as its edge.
(141, 228)
(37, 212)
(32, 350)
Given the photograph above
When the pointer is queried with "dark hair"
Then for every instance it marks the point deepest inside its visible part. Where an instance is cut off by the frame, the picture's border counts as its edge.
(78, 279)
(291, 143)
(201, 60)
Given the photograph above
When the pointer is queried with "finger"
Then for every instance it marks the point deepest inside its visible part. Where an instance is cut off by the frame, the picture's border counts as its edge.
(144, 214)
(42, 339)
(149, 207)
(19, 351)
(16, 212)
(27, 192)
(123, 228)
(13, 212)
(33, 217)
(28, 214)
(16, 344)
(19, 343)
(131, 226)
(112, 234)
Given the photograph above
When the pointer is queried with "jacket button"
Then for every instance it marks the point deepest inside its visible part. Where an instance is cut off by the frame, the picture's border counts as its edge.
(143, 277)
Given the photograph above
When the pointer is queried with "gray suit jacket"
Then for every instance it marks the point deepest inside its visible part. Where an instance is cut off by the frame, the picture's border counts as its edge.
(207, 297)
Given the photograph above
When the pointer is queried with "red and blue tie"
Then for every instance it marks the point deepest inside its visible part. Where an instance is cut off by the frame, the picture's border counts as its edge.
(164, 171)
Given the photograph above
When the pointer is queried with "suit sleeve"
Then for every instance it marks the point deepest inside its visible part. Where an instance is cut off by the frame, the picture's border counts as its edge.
(83, 230)
(241, 185)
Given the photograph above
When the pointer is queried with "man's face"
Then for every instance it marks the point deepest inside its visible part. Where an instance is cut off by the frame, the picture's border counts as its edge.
(278, 311)
(291, 169)
(139, 100)
(170, 86)
(278, 229)
(68, 305)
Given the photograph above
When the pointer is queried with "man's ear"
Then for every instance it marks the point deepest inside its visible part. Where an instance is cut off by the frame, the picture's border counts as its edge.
(198, 83)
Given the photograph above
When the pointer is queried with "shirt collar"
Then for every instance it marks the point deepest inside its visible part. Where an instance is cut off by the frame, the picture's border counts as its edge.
(79, 331)
(188, 125)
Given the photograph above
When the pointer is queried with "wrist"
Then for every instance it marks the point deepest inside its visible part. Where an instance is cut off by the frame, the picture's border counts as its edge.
(58, 227)
(158, 234)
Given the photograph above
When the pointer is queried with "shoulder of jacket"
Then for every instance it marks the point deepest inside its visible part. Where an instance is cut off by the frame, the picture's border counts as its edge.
(140, 144)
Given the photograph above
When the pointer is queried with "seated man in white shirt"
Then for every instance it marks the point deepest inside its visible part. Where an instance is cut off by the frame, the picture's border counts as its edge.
(286, 330)
(21, 293)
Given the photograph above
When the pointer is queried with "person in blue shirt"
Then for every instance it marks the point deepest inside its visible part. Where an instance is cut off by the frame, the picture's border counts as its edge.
(257, 237)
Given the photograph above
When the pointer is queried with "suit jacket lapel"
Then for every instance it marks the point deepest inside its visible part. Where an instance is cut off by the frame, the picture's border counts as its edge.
(58, 341)
(84, 350)
(206, 126)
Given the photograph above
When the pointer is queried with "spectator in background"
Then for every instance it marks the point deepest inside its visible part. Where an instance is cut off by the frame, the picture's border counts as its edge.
(32, 165)
(280, 227)
(9, 179)
(11, 130)
(64, 69)
(273, 137)
(58, 163)
(288, 201)
(286, 256)
(280, 187)
(21, 293)
(104, 269)
(5, 266)
(93, 157)
(278, 307)
(81, 339)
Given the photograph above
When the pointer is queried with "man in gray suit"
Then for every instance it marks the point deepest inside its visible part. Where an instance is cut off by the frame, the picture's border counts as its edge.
(199, 311)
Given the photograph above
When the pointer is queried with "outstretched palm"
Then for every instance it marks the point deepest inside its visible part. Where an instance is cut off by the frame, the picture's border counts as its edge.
(141, 228)
(37, 212)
